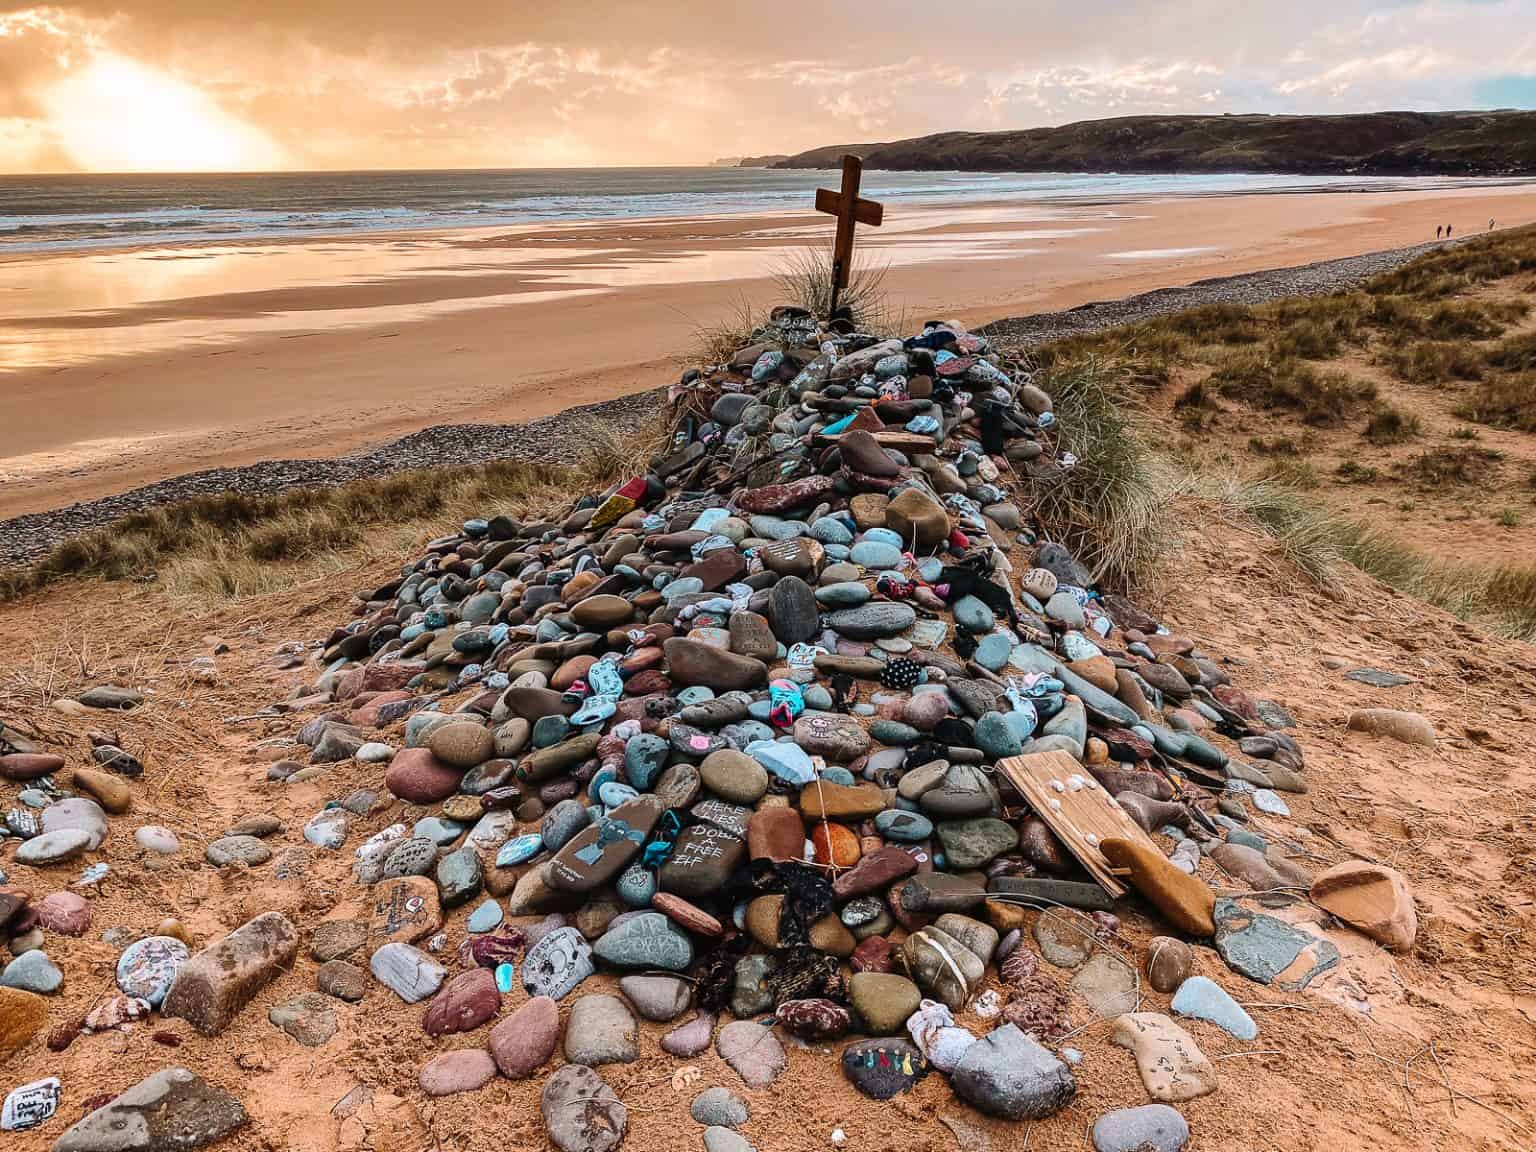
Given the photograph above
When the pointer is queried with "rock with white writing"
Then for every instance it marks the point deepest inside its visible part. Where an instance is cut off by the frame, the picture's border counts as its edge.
(701, 861)
(560, 960)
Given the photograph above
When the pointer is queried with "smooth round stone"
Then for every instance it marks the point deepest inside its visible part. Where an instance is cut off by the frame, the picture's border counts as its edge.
(519, 850)
(147, 968)
(896, 645)
(903, 827)
(485, 918)
(734, 776)
(154, 838)
(719, 1107)
(993, 651)
(883, 1068)
(33, 971)
(884, 536)
(876, 554)
(894, 733)
(837, 774)
(847, 595)
(54, 847)
(973, 615)
(441, 832)
(550, 730)
(1148, 1128)
(462, 1070)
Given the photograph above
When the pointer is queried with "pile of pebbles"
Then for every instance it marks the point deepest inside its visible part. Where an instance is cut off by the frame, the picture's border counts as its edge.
(730, 731)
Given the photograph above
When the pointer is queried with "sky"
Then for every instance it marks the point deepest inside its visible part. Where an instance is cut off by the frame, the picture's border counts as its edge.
(163, 85)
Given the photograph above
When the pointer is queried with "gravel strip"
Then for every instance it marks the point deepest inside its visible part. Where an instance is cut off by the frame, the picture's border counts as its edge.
(556, 439)
(1319, 279)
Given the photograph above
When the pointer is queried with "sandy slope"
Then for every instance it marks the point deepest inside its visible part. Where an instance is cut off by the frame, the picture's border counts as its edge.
(1458, 821)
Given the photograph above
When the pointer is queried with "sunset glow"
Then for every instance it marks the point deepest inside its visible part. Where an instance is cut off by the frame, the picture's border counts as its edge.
(116, 115)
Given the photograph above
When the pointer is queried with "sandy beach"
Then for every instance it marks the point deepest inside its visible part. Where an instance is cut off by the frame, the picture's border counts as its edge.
(126, 366)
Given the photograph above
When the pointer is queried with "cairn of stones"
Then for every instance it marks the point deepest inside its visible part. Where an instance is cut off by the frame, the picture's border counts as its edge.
(731, 730)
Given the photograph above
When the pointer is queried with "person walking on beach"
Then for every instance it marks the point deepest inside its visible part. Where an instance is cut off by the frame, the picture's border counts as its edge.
(1490, 223)
(1447, 231)
(1439, 231)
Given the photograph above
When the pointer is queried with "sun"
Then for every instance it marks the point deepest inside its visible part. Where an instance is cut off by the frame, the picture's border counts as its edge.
(117, 115)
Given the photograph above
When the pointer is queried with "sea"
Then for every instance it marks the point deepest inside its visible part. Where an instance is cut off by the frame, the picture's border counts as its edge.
(47, 213)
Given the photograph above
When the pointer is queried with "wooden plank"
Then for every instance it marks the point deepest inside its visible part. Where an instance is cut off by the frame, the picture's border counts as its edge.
(1078, 810)
(905, 442)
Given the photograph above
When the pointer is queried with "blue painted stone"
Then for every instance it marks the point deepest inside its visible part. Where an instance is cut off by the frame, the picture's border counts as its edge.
(1264, 948)
(903, 827)
(1204, 999)
(637, 886)
(1022, 721)
(505, 974)
(644, 757)
(550, 730)
(604, 775)
(970, 613)
(837, 774)
(613, 794)
(519, 850)
(831, 530)
(996, 738)
(147, 968)
(484, 918)
(787, 761)
(884, 536)
(696, 694)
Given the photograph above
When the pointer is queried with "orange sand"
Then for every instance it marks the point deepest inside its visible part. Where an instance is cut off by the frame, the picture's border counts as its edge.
(120, 368)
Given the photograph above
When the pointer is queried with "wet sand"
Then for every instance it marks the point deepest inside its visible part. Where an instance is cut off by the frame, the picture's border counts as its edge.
(120, 368)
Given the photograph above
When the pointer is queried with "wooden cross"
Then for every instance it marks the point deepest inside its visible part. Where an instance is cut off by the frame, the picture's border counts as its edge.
(848, 209)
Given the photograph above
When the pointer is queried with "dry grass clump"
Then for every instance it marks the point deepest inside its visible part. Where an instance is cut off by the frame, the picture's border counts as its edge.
(804, 277)
(1503, 402)
(1450, 270)
(235, 544)
(1499, 597)
(1514, 354)
(1389, 425)
(1318, 396)
(1472, 319)
(1433, 361)
(1451, 467)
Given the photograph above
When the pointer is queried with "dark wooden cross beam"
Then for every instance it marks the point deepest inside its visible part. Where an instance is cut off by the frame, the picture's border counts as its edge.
(849, 210)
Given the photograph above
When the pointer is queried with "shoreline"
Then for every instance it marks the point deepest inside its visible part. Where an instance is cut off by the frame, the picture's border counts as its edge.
(135, 368)
(555, 438)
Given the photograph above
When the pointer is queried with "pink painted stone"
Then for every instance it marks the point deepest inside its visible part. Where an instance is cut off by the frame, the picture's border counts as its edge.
(67, 913)
(526, 1039)
(466, 1070)
(466, 1002)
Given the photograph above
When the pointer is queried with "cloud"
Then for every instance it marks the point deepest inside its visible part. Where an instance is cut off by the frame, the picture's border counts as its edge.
(362, 83)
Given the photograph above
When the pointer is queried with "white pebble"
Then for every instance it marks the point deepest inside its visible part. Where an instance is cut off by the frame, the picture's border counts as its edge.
(838, 1137)
(1055, 804)
(1058, 786)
